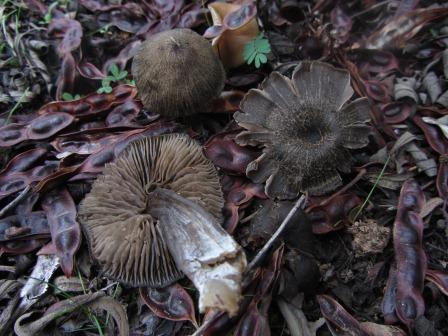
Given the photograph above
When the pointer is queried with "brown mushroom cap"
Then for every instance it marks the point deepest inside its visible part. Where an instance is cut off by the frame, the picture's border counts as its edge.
(306, 128)
(177, 73)
(123, 236)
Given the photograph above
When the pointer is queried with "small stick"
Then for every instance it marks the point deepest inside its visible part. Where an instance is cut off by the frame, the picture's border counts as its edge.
(262, 253)
(15, 201)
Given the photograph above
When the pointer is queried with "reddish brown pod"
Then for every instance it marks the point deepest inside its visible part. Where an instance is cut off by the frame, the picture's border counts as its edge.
(24, 161)
(222, 150)
(339, 321)
(92, 104)
(409, 254)
(65, 230)
(39, 128)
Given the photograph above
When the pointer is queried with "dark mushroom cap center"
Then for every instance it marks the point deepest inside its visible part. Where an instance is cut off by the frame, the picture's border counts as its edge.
(320, 131)
(308, 128)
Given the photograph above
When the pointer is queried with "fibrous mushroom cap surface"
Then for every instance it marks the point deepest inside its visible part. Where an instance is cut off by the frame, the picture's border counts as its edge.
(306, 128)
(177, 73)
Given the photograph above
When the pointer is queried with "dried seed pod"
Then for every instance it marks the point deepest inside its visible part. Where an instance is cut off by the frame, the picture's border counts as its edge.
(305, 127)
(432, 86)
(445, 63)
(177, 73)
(233, 26)
(443, 99)
(202, 249)
(409, 254)
(42, 127)
(405, 88)
(123, 235)
(65, 231)
(339, 321)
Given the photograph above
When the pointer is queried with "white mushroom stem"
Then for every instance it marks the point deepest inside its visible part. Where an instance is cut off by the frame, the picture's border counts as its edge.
(202, 249)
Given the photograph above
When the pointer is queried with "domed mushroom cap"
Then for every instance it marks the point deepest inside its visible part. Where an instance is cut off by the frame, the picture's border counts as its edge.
(177, 73)
(306, 129)
(122, 234)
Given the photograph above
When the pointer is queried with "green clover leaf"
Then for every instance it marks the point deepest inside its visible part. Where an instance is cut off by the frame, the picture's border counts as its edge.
(256, 51)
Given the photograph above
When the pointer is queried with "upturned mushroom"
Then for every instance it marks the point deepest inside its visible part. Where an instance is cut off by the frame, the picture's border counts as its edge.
(177, 73)
(155, 212)
(306, 127)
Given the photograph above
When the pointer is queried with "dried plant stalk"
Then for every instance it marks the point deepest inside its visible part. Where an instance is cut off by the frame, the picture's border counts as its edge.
(202, 249)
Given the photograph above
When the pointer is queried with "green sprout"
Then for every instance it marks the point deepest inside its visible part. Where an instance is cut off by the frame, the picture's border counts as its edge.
(116, 76)
(68, 96)
(380, 176)
(256, 50)
(49, 16)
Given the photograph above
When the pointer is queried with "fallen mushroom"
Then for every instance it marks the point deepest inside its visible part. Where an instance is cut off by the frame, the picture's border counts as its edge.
(305, 127)
(142, 237)
(177, 73)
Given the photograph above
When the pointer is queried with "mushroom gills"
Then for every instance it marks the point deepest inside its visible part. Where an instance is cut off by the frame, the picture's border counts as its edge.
(124, 238)
(201, 249)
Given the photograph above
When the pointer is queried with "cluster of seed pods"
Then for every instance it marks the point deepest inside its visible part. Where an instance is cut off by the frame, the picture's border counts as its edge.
(57, 116)
(78, 154)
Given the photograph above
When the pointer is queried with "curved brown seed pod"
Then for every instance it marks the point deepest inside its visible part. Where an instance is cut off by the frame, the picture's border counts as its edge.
(255, 318)
(12, 134)
(442, 178)
(124, 114)
(88, 70)
(82, 144)
(409, 255)
(439, 278)
(433, 135)
(39, 128)
(388, 303)
(14, 182)
(332, 215)
(91, 104)
(375, 61)
(171, 303)
(397, 112)
(95, 162)
(223, 151)
(227, 102)
(201, 248)
(32, 226)
(47, 125)
(238, 194)
(65, 230)
(24, 161)
(338, 319)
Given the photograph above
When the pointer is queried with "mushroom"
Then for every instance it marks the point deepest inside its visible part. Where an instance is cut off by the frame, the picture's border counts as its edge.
(306, 128)
(133, 233)
(177, 73)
